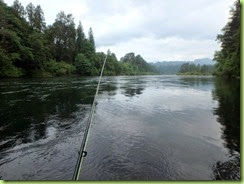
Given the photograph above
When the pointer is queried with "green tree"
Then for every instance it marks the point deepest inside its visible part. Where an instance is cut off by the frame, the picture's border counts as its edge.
(39, 49)
(18, 9)
(198, 68)
(204, 69)
(193, 69)
(129, 57)
(80, 39)
(228, 58)
(100, 56)
(39, 20)
(91, 40)
(89, 48)
(89, 52)
(137, 64)
(30, 11)
(49, 35)
(64, 36)
(112, 65)
(83, 65)
(28, 47)
(15, 52)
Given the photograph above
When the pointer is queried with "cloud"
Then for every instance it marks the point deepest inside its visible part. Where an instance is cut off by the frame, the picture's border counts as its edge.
(159, 29)
(200, 19)
(166, 49)
(156, 29)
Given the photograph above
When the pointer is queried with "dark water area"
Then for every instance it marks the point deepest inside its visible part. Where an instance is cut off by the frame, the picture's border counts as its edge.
(144, 128)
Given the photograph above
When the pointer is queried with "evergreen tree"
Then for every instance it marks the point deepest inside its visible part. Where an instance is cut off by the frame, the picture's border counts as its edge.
(89, 48)
(39, 49)
(80, 39)
(27, 47)
(15, 52)
(100, 56)
(138, 64)
(130, 57)
(30, 11)
(18, 9)
(39, 20)
(228, 58)
(64, 36)
(82, 64)
(91, 40)
(193, 69)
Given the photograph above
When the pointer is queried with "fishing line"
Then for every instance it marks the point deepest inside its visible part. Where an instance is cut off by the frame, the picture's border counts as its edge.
(82, 152)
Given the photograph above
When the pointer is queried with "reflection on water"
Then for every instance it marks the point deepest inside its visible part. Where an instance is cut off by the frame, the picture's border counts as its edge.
(37, 117)
(227, 93)
(26, 110)
(145, 128)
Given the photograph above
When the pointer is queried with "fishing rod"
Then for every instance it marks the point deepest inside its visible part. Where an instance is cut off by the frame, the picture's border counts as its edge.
(82, 152)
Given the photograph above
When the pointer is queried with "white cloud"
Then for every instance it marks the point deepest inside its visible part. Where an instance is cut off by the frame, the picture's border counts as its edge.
(156, 29)
(169, 48)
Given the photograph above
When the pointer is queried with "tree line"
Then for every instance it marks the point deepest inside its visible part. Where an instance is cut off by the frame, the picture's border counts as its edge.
(30, 47)
(193, 69)
(228, 58)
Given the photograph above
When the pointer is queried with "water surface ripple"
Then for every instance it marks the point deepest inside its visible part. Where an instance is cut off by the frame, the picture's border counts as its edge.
(145, 128)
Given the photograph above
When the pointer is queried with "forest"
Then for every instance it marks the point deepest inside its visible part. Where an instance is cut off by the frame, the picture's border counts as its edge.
(193, 69)
(228, 58)
(173, 67)
(29, 47)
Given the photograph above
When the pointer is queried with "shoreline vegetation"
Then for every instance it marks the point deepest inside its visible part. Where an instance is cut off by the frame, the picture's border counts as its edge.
(228, 58)
(193, 69)
(30, 48)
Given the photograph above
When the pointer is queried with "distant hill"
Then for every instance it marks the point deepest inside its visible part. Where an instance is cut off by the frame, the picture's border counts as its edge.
(137, 64)
(204, 61)
(168, 67)
(173, 67)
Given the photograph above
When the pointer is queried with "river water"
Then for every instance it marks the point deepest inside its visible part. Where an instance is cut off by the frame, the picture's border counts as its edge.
(144, 128)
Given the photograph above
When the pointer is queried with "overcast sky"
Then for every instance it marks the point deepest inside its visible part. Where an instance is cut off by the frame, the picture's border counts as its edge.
(158, 30)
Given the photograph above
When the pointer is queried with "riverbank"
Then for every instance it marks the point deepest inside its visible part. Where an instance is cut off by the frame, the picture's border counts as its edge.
(45, 74)
(194, 73)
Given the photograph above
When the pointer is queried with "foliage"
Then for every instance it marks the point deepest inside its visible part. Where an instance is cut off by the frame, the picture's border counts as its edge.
(38, 48)
(29, 47)
(7, 69)
(18, 9)
(193, 69)
(91, 39)
(228, 58)
(82, 64)
(139, 65)
(63, 37)
(59, 68)
(14, 48)
(80, 39)
(173, 67)
(227, 93)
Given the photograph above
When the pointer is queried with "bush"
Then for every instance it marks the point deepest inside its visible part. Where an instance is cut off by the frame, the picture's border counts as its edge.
(59, 68)
(7, 69)
(83, 65)
(12, 71)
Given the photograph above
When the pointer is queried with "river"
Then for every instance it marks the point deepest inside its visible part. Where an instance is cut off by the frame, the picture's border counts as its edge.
(144, 128)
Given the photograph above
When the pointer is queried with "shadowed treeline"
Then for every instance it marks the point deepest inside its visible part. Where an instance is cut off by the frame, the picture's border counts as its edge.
(227, 93)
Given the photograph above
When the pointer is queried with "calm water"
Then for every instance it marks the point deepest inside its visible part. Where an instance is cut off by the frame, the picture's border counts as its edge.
(145, 128)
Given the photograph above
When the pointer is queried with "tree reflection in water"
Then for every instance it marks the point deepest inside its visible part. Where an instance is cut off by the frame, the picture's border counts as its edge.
(227, 93)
